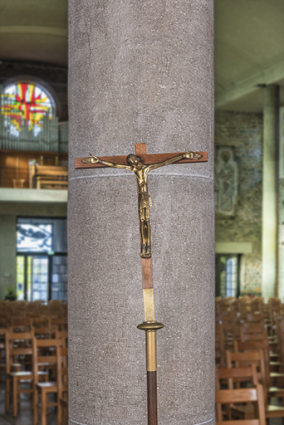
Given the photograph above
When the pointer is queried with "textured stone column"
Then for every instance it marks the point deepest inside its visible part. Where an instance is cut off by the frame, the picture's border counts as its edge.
(270, 191)
(140, 71)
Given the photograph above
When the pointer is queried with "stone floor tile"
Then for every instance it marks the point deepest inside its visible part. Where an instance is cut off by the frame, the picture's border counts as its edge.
(25, 416)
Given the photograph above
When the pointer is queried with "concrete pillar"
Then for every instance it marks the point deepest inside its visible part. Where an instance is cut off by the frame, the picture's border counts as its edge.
(8, 250)
(140, 72)
(281, 207)
(270, 191)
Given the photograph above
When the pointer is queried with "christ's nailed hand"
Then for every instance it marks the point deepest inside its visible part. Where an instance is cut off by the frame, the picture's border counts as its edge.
(95, 158)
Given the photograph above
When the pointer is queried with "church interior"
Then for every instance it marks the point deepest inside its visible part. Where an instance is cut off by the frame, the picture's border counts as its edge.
(249, 210)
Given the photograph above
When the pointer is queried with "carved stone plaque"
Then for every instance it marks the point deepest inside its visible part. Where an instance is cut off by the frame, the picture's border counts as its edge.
(226, 181)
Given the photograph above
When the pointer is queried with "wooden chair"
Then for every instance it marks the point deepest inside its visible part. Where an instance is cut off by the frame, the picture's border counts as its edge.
(20, 324)
(4, 322)
(60, 324)
(280, 338)
(273, 378)
(252, 332)
(248, 359)
(62, 381)
(41, 322)
(232, 378)
(244, 306)
(2, 352)
(257, 305)
(257, 328)
(63, 335)
(243, 359)
(44, 352)
(230, 328)
(255, 317)
(18, 345)
(273, 390)
(243, 395)
(43, 332)
(219, 345)
(236, 375)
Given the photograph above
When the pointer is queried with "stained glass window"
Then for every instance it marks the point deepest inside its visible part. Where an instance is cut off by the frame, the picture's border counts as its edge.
(34, 237)
(26, 105)
(227, 275)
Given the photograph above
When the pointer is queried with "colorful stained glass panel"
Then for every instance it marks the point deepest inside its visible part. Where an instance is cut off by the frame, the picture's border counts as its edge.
(26, 105)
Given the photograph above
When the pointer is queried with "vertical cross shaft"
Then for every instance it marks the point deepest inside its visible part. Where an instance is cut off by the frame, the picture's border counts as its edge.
(150, 326)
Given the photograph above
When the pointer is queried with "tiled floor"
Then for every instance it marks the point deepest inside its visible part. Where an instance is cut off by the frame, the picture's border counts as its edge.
(25, 416)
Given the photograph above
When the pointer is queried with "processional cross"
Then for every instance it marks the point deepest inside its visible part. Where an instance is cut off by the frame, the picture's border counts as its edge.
(141, 164)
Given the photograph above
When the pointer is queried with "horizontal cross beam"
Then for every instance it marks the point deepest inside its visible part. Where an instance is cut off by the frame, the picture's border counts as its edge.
(146, 159)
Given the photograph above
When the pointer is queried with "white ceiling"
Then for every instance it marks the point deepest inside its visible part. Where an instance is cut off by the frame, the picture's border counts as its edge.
(34, 30)
(249, 44)
(249, 50)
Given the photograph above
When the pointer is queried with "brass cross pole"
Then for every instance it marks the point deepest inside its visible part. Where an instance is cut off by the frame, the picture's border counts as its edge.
(141, 164)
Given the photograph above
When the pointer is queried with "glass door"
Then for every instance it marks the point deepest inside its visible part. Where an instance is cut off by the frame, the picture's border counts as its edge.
(21, 277)
(33, 277)
(41, 258)
(59, 277)
(39, 278)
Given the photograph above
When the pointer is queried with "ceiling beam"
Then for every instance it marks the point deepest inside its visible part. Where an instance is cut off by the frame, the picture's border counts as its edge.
(33, 29)
(270, 75)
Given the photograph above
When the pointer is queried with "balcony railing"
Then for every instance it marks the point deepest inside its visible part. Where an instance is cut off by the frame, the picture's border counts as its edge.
(33, 170)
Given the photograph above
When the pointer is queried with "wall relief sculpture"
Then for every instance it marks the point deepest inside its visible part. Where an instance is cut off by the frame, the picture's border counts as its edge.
(226, 181)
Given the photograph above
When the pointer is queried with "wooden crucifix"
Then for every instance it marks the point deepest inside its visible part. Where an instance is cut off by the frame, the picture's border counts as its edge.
(141, 164)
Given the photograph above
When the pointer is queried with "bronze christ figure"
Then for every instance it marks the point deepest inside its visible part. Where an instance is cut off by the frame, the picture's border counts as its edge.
(144, 201)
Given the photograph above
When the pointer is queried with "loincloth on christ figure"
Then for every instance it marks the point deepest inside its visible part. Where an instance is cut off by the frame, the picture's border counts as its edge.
(144, 201)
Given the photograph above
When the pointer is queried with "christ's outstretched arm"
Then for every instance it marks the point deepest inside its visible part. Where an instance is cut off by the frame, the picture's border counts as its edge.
(110, 164)
(170, 161)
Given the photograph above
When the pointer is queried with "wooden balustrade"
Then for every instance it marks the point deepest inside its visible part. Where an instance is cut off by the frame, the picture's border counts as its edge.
(18, 169)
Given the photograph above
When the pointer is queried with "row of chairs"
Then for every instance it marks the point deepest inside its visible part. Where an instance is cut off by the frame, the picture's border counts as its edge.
(41, 327)
(249, 352)
(36, 322)
(242, 306)
(13, 311)
(248, 366)
(36, 363)
(249, 332)
(53, 307)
